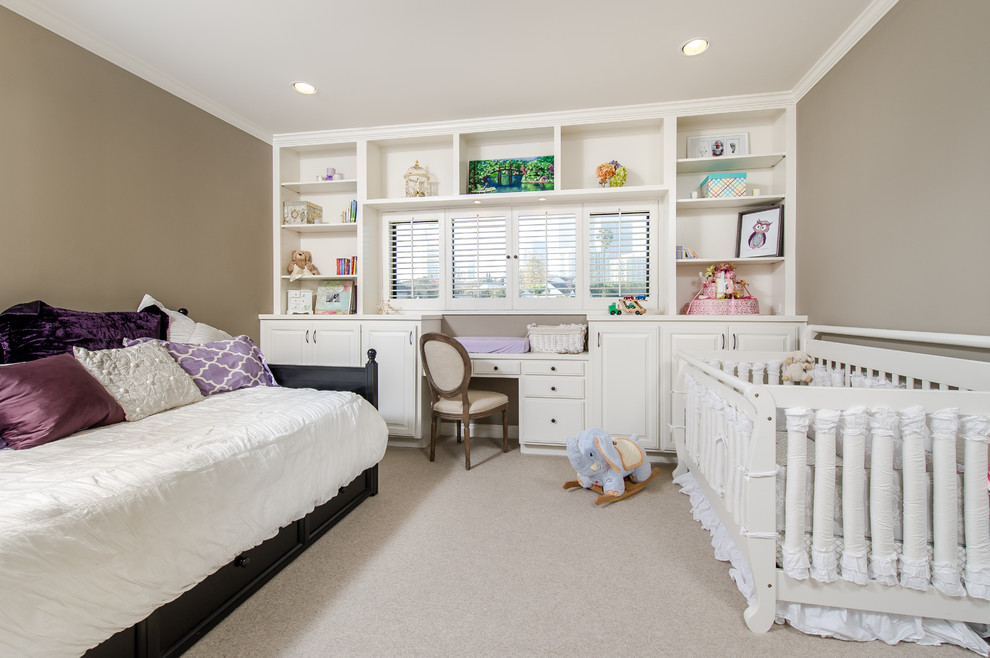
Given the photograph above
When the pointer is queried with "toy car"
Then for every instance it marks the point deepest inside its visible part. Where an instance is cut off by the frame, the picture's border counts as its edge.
(631, 304)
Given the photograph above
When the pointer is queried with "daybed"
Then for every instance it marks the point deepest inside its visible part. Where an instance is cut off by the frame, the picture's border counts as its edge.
(139, 536)
(853, 507)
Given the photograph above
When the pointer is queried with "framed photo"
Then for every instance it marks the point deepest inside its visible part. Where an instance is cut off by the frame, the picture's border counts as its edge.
(718, 146)
(335, 298)
(760, 233)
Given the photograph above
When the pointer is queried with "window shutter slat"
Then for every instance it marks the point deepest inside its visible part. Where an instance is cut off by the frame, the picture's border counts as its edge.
(619, 254)
(478, 263)
(414, 259)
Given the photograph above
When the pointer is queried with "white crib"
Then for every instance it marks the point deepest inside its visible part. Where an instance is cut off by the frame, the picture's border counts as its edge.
(894, 506)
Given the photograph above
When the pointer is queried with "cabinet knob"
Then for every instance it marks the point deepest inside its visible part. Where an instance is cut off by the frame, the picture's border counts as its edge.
(242, 561)
(494, 367)
(553, 388)
(553, 420)
(553, 368)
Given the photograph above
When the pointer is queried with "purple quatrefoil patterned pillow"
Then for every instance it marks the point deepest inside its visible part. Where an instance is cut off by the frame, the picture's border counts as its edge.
(223, 365)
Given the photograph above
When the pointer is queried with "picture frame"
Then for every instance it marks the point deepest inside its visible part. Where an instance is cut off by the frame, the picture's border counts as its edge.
(718, 146)
(511, 175)
(335, 298)
(760, 233)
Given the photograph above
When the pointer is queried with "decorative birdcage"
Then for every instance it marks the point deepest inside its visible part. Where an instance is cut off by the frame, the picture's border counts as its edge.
(417, 181)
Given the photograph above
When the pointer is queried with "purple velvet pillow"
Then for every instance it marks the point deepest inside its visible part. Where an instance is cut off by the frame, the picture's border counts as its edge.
(223, 365)
(51, 398)
(36, 330)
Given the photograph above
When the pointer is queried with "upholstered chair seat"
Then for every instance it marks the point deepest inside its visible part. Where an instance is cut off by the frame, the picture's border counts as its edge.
(480, 402)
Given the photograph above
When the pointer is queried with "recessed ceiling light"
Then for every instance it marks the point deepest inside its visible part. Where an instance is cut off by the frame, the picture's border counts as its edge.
(304, 87)
(694, 46)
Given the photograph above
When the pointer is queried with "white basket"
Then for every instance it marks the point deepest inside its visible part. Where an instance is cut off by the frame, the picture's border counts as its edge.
(560, 339)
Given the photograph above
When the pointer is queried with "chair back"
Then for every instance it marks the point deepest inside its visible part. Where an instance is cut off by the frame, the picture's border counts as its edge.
(447, 365)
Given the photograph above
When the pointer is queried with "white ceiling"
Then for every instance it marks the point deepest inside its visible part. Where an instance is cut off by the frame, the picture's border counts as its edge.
(385, 62)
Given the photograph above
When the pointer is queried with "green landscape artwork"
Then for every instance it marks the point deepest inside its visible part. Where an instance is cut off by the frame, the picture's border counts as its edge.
(511, 175)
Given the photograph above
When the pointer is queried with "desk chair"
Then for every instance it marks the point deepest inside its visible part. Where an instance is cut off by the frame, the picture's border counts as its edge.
(448, 370)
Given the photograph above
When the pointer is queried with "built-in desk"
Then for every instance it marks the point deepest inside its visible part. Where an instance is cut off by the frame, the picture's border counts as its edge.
(552, 394)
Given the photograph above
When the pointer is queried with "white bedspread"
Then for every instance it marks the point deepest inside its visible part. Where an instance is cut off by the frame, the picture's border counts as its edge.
(100, 529)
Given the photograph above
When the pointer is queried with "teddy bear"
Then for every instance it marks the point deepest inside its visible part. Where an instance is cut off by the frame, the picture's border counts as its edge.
(796, 368)
(303, 260)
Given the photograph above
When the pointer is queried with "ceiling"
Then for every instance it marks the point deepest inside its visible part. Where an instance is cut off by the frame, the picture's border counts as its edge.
(386, 62)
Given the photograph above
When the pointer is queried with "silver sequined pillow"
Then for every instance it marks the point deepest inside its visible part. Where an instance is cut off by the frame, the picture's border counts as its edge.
(144, 379)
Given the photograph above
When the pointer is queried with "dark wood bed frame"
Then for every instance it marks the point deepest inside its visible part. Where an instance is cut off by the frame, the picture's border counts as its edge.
(173, 628)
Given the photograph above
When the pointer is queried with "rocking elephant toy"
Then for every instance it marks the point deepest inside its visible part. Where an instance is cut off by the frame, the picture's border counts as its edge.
(604, 464)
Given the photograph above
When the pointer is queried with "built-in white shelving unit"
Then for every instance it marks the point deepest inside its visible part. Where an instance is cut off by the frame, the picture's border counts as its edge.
(650, 142)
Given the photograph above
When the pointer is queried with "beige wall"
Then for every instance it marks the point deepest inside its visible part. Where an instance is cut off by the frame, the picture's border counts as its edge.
(111, 187)
(893, 153)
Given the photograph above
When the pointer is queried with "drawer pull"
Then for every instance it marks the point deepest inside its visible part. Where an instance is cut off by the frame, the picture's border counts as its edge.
(553, 368)
(494, 367)
(553, 420)
(242, 561)
(553, 388)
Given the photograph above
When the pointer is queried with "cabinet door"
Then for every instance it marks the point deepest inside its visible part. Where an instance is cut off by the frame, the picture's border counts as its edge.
(335, 344)
(286, 341)
(705, 336)
(397, 344)
(625, 379)
(770, 337)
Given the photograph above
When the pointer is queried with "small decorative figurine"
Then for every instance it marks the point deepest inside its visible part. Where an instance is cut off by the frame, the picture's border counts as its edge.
(417, 181)
(385, 307)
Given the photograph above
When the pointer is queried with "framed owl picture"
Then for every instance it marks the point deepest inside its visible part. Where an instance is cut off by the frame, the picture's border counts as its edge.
(760, 233)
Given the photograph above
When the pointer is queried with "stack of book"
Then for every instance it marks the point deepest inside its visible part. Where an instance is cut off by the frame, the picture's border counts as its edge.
(684, 253)
(347, 266)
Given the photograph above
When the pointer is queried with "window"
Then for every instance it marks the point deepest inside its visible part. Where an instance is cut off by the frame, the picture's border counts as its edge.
(619, 254)
(478, 257)
(414, 248)
(547, 255)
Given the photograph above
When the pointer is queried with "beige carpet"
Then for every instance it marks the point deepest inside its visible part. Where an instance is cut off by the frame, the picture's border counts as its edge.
(501, 561)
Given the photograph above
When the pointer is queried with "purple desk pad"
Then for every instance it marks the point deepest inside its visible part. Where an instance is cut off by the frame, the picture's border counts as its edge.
(494, 344)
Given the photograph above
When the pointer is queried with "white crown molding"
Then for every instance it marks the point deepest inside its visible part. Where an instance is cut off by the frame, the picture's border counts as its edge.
(59, 25)
(863, 24)
(541, 120)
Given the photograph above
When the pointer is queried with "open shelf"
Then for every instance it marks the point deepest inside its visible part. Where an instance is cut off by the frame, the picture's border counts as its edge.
(730, 202)
(337, 227)
(323, 187)
(700, 165)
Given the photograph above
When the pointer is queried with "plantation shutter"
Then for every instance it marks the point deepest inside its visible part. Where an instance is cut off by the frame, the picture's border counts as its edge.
(478, 257)
(547, 255)
(619, 254)
(414, 248)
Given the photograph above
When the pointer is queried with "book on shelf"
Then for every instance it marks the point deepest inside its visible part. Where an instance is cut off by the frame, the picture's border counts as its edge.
(336, 298)
(347, 266)
(685, 253)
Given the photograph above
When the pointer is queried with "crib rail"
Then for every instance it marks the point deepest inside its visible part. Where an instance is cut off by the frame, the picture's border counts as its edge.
(911, 370)
(729, 442)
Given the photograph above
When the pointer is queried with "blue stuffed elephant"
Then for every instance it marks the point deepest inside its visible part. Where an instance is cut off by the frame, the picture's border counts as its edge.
(603, 461)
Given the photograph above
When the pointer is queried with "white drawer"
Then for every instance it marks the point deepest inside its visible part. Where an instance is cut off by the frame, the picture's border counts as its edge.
(551, 421)
(494, 367)
(553, 368)
(553, 387)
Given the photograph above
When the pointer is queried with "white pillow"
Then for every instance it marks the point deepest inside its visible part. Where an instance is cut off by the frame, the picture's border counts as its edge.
(182, 328)
(144, 379)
